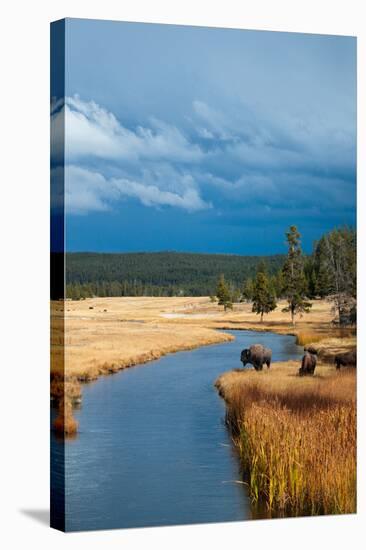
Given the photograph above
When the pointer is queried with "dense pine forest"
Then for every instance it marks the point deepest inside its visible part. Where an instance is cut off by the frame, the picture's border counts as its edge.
(328, 272)
(158, 273)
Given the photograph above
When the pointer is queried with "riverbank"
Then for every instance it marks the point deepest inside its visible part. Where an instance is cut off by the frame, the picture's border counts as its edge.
(156, 422)
(99, 336)
(103, 335)
(95, 337)
(296, 437)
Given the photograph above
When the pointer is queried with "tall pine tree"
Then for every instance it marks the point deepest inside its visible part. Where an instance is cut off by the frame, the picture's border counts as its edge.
(335, 264)
(294, 281)
(247, 291)
(223, 294)
(264, 299)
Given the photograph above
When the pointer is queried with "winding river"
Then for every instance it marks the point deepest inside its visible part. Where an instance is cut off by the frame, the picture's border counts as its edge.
(153, 448)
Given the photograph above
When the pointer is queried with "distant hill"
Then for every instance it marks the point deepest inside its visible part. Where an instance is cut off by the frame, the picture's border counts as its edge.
(160, 273)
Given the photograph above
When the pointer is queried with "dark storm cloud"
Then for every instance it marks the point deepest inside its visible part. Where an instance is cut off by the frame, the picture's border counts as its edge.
(212, 123)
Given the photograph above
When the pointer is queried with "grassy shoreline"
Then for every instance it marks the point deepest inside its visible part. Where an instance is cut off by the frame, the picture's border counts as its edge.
(100, 336)
(296, 438)
(110, 333)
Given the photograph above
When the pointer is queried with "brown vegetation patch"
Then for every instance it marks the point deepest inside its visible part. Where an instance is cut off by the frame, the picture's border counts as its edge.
(296, 437)
(65, 386)
(65, 423)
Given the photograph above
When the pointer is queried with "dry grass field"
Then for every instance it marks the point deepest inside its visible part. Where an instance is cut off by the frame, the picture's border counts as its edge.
(296, 437)
(103, 335)
(100, 335)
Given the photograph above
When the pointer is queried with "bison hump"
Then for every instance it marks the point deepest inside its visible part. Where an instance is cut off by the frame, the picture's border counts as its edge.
(256, 348)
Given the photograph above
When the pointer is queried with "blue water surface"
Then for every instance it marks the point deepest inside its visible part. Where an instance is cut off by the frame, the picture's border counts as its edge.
(153, 448)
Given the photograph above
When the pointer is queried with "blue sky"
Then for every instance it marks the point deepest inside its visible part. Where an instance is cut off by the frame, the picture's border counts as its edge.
(207, 140)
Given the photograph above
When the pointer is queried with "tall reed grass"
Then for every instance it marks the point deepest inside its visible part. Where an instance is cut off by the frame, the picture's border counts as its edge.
(309, 336)
(68, 386)
(296, 440)
(305, 337)
(65, 423)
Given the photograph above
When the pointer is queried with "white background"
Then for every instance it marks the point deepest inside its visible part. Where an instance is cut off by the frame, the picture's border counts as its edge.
(24, 218)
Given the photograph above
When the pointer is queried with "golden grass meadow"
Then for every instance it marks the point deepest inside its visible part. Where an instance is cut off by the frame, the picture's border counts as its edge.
(296, 437)
(100, 335)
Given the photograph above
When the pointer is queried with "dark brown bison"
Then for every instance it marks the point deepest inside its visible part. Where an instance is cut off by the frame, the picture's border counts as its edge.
(311, 350)
(308, 364)
(257, 355)
(348, 359)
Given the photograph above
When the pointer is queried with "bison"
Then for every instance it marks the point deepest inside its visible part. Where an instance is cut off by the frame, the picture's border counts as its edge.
(257, 355)
(308, 364)
(311, 350)
(348, 359)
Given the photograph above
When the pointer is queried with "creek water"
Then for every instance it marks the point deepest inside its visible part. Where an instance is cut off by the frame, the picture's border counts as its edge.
(152, 447)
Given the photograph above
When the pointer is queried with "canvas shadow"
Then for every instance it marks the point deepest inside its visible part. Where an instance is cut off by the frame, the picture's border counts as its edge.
(38, 514)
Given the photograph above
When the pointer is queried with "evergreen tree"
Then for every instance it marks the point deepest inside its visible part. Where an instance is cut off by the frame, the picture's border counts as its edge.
(223, 294)
(76, 295)
(312, 283)
(272, 285)
(310, 276)
(235, 294)
(294, 277)
(264, 299)
(335, 263)
(248, 289)
(278, 284)
(261, 266)
(322, 274)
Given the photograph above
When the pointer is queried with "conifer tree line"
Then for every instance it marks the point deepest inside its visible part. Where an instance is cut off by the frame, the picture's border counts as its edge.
(158, 273)
(328, 272)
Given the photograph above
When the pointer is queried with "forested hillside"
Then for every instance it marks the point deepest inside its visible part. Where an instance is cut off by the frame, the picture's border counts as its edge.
(159, 273)
(329, 272)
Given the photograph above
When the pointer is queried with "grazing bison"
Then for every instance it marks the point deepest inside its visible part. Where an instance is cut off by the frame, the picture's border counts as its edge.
(308, 364)
(348, 359)
(257, 355)
(311, 350)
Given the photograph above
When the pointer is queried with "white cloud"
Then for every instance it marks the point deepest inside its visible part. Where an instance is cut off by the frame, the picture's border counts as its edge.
(85, 191)
(217, 123)
(89, 191)
(246, 158)
(94, 137)
(92, 131)
(151, 195)
(204, 133)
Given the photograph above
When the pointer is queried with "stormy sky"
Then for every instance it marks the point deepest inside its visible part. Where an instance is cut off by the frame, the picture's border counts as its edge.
(209, 140)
